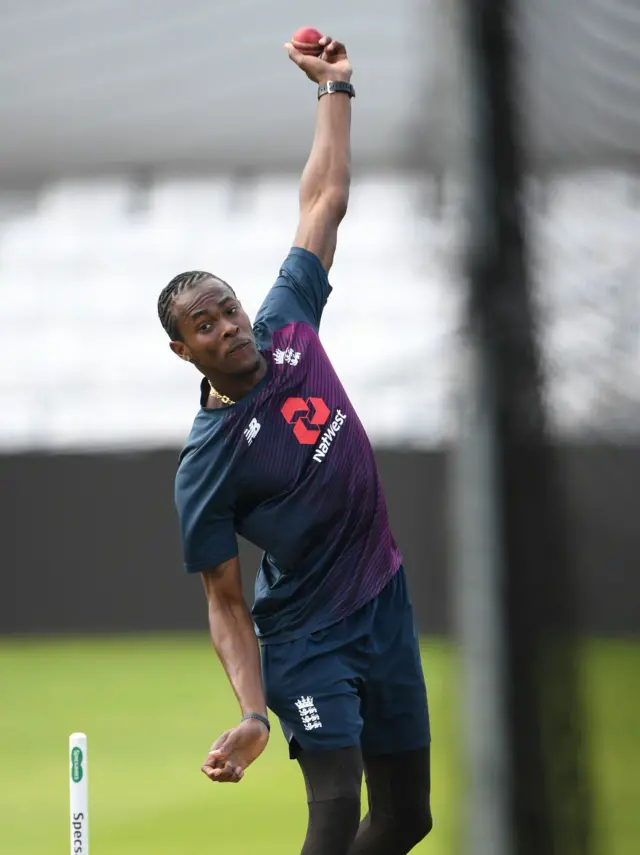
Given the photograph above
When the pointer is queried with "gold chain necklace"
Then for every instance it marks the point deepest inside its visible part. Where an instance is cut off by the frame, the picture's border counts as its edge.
(223, 398)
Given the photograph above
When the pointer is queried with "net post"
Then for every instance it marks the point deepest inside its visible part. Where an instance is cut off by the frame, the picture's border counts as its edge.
(515, 597)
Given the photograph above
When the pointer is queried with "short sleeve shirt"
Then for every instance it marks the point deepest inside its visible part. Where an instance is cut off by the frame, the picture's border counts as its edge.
(290, 468)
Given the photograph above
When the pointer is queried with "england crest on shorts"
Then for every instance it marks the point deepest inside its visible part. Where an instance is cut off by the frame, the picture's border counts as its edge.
(308, 713)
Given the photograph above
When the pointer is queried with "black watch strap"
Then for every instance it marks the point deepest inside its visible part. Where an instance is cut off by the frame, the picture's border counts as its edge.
(332, 86)
(259, 717)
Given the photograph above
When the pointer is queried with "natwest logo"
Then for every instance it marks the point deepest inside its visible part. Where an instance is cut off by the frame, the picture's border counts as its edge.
(307, 417)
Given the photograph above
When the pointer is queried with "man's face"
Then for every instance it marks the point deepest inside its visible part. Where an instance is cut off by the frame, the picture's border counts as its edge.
(216, 333)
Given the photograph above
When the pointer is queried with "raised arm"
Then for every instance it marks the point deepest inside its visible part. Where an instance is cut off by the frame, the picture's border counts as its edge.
(235, 643)
(324, 187)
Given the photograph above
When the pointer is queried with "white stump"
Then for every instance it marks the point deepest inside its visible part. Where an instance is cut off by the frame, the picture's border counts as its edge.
(79, 813)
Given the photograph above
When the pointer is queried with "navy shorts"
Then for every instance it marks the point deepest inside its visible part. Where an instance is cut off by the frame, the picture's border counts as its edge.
(357, 682)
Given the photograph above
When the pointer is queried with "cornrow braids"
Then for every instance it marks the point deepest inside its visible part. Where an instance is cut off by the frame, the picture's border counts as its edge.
(181, 282)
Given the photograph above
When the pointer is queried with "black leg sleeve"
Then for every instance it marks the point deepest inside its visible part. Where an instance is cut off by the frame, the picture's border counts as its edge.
(333, 780)
(399, 815)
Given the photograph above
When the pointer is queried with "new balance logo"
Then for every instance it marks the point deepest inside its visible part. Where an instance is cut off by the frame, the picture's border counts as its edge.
(251, 432)
(308, 713)
(290, 356)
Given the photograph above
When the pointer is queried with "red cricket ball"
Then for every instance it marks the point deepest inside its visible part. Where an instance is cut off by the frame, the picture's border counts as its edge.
(306, 40)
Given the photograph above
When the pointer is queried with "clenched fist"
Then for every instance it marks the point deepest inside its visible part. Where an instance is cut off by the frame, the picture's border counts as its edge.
(332, 64)
(236, 749)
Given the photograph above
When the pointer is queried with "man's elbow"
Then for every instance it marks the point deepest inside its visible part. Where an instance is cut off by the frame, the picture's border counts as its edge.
(331, 204)
(227, 613)
(223, 586)
(224, 599)
(340, 203)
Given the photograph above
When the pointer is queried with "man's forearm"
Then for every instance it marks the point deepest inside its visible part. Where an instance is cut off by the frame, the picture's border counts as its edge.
(328, 171)
(235, 642)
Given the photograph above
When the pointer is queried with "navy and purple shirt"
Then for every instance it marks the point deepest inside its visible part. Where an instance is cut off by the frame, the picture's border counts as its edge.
(290, 468)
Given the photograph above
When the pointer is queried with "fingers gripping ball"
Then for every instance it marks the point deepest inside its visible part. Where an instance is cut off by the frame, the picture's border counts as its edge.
(307, 40)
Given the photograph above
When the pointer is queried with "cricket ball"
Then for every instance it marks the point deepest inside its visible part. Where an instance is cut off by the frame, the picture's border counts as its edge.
(307, 39)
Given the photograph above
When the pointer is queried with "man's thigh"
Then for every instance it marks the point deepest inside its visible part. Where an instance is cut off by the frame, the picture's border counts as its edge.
(394, 699)
(313, 689)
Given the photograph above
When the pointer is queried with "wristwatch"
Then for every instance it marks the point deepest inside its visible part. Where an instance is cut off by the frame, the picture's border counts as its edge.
(332, 86)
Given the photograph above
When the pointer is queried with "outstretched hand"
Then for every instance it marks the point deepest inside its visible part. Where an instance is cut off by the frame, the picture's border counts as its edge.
(236, 749)
(332, 64)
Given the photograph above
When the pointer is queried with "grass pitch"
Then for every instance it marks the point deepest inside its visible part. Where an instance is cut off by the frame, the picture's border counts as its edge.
(152, 705)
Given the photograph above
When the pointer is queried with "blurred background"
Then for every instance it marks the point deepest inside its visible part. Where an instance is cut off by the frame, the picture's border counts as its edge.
(141, 139)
